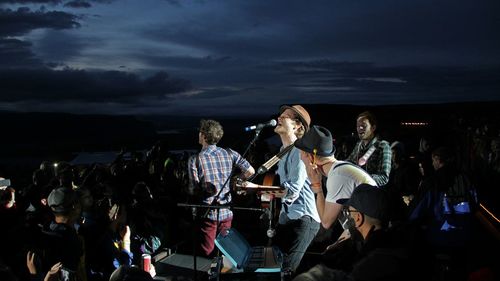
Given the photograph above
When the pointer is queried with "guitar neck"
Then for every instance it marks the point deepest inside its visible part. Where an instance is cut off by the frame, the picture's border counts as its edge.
(284, 151)
(275, 159)
(266, 188)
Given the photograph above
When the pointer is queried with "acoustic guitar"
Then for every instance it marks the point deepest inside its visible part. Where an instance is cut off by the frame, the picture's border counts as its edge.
(268, 187)
(270, 190)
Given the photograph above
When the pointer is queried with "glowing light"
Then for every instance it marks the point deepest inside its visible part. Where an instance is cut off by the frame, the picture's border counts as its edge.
(414, 123)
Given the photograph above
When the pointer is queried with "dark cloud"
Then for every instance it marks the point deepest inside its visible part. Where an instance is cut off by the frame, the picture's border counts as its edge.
(73, 4)
(103, 1)
(174, 2)
(45, 85)
(222, 92)
(217, 71)
(61, 45)
(23, 20)
(15, 53)
(54, 2)
(259, 53)
(333, 81)
(390, 30)
(410, 83)
(18, 53)
(78, 4)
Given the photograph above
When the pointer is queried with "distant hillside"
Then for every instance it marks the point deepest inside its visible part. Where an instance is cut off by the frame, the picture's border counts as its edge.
(29, 138)
(46, 133)
(340, 119)
(39, 134)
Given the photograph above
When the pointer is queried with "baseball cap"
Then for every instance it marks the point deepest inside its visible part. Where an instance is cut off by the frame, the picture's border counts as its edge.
(369, 200)
(62, 199)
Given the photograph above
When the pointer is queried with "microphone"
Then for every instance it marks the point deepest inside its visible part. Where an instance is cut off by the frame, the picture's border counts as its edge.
(270, 123)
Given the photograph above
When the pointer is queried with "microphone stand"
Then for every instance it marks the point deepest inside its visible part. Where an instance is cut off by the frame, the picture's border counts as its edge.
(194, 208)
(213, 205)
(263, 169)
(209, 207)
(257, 133)
(271, 232)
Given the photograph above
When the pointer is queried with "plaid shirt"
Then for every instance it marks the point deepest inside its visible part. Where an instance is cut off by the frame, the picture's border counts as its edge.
(209, 170)
(379, 163)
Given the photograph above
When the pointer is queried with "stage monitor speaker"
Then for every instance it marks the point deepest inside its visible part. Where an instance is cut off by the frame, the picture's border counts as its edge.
(178, 265)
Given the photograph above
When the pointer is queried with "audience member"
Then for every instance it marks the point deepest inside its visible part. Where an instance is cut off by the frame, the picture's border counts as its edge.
(6, 273)
(61, 242)
(370, 252)
(146, 221)
(402, 183)
(444, 207)
(107, 242)
(423, 157)
(130, 273)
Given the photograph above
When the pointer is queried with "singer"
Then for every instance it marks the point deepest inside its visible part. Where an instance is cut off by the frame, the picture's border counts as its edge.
(299, 220)
(209, 173)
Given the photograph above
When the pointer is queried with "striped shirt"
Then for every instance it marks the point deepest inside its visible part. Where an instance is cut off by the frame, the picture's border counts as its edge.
(209, 170)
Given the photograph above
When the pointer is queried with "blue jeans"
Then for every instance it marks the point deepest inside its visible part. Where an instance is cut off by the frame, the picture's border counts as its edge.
(293, 238)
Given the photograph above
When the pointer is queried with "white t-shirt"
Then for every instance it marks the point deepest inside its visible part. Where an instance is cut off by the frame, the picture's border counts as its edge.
(342, 181)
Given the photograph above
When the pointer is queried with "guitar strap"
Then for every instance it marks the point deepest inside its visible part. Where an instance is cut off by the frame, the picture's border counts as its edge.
(285, 206)
(364, 159)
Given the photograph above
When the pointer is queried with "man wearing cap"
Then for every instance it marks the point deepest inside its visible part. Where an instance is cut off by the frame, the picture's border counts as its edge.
(209, 173)
(62, 243)
(371, 252)
(299, 220)
(317, 152)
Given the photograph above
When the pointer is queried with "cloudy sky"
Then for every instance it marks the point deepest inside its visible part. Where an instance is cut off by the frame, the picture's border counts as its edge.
(247, 57)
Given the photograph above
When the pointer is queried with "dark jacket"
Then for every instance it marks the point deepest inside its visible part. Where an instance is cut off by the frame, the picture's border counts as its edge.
(61, 244)
(384, 255)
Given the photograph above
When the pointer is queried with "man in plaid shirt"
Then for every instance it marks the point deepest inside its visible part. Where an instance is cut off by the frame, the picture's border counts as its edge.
(209, 172)
(371, 153)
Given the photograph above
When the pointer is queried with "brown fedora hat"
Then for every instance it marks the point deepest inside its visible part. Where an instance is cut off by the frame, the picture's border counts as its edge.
(301, 112)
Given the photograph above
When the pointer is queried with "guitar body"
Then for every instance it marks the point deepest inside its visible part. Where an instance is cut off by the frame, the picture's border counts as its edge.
(270, 179)
(265, 197)
(270, 199)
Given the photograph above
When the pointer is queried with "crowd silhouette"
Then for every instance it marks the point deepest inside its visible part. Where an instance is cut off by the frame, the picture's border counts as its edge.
(126, 208)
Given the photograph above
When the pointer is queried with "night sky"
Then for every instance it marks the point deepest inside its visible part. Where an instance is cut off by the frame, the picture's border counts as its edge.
(244, 57)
